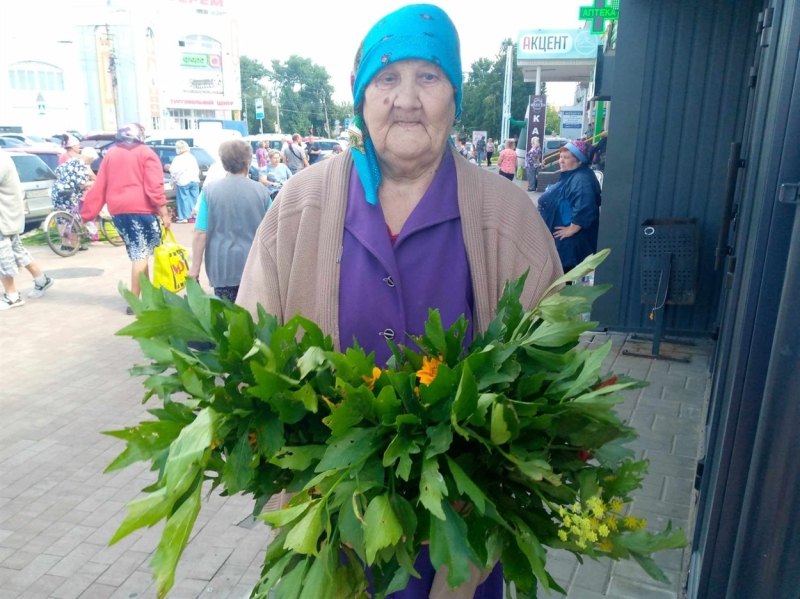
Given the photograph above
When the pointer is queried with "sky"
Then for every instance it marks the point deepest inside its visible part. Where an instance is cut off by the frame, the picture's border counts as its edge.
(329, 31)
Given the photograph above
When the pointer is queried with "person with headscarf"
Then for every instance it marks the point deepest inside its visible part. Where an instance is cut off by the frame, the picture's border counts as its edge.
(73, 178)
(533, 162)
(571, 207)
(369, 241)
(72, 148)
(131, 183)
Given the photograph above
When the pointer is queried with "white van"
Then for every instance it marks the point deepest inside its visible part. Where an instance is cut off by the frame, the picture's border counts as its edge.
(208, 139)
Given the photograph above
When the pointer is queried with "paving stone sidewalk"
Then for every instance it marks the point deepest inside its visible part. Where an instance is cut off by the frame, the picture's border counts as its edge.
(64, 380)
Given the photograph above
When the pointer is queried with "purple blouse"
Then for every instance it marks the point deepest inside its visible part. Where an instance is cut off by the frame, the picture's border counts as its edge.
(385, 292)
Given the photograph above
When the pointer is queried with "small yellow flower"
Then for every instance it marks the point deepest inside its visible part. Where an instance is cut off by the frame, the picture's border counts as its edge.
(609, 478)
(581, 544)
(630, 522)
(616, 505)
(603, 530)
(605, 545)
(596, 505)
(576, 507)
(610, 522)
(562, 512)
(562, 534)
(641, 523)
(428, 371)
(575, 530)
(370, 381)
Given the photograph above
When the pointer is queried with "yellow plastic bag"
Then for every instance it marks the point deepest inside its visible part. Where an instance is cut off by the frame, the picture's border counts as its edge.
(171, 264)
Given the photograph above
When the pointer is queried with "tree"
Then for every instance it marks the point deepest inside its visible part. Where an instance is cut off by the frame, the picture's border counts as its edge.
(552, 124)
(305, 94)
(252, 73)
(482, 105)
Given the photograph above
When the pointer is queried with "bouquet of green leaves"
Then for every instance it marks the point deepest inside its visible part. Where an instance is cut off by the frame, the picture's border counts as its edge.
(488, 454)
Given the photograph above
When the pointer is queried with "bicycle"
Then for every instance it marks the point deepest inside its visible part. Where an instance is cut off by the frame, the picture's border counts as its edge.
(65, 232)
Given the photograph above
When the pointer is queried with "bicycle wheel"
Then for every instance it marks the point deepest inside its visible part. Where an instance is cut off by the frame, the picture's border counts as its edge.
(110, 232)
(63, 233)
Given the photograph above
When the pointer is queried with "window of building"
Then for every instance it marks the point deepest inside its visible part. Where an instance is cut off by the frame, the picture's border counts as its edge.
(186, 118)
(36, 76)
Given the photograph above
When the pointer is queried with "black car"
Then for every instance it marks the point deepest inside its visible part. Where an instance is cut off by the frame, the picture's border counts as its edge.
(167, 153)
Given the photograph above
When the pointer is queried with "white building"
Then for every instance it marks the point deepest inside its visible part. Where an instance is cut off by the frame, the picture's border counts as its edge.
(164, 64)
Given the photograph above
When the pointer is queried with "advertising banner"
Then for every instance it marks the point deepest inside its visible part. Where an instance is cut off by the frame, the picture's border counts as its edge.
(537, 113)
(556, 44)
(476, 135)
(107, 91)
(572, 121)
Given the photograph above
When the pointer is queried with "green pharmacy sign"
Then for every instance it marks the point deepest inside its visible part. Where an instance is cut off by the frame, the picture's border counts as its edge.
(194, 60)
(599, 13)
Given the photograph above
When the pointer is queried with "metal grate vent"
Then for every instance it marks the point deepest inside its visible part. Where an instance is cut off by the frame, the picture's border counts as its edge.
(676, 236)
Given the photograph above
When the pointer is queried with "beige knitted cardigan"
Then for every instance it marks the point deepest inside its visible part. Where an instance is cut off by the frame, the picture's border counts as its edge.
(294, 264)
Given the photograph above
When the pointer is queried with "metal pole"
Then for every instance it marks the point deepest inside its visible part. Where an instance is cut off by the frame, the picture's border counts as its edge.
(538, 81)
(504, 127)
(261, 125)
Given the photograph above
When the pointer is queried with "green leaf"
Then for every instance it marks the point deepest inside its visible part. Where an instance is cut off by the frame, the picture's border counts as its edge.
(405, 514)
(271, 577)
(557, 334)
(286, 515)
(590, 371)
(290, 585)
(387, 406)
(317, 583)
(583, 269)
(199, 303)
(347, 450)
(401, 447)
(269, 383)
(307, 396)
(350, 529)
(434, 332)
(269, 435)
(144, 442)
(614, 452)
(467, 395)
(238, 471)
(536, 469)
(485, 400)
(649, 565)
(304, 535)
(587, 482)
(499, 430)
(441, 437)
(156, 349)
(432, 487)
(310, 361)
(174, 539)
(449, 546)
(144, 511)
(298, 458)
(530, 546)
(646, 542)
(166, 322)
(442, 386)
(381, 527)
(466, 487)
(349, 412)
(189, 449)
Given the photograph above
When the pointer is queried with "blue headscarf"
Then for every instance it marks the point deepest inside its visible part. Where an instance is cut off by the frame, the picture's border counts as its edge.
(418, 31)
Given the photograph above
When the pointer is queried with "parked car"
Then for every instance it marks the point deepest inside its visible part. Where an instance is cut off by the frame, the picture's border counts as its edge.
(31, 140)
(326, 145)
(9, 143)
(274, 140)
(208, 139)
(48, 154)
(37, 180)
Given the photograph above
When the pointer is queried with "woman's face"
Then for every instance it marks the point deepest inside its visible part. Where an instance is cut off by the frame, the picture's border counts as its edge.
(409, 108)
(274, 160)
(567, 160)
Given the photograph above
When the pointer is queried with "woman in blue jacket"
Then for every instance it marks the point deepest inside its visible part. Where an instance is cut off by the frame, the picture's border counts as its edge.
(571, 207)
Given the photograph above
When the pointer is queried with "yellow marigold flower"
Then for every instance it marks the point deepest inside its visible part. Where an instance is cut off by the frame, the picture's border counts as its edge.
(562, 534)
(370, 381)
(428, 371)
(603, 530)
(605, 545)
(616, 505)
(631, 522)
(641, 523)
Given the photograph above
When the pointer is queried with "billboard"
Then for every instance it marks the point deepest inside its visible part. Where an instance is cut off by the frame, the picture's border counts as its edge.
(537, 114)
(572, 118)
(556, 44)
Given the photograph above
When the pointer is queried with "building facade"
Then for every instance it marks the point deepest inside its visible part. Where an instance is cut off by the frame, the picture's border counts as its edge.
(163, 64)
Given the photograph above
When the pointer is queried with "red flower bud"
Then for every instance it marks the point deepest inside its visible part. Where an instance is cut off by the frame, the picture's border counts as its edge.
(584, 455)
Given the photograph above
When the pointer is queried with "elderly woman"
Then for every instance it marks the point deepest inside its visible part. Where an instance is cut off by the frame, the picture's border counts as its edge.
(73, 178)
(533, 162)
(571, 207)
(507, 161)
(72, 148)
(229, 213)
(185, 174)
(276, 172)
(372, 239)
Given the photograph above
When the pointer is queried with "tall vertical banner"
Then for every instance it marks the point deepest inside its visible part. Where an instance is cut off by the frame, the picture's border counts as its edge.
(107, 102)
(537, 114)
(152, 74)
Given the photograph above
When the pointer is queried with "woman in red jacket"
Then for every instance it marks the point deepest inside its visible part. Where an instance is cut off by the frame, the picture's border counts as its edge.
(131, 183)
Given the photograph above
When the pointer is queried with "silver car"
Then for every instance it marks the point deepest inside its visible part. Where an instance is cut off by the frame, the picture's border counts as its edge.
(37, 180)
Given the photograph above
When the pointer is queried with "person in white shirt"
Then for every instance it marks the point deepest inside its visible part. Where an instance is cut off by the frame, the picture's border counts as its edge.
(185, 173)
(13, 254)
